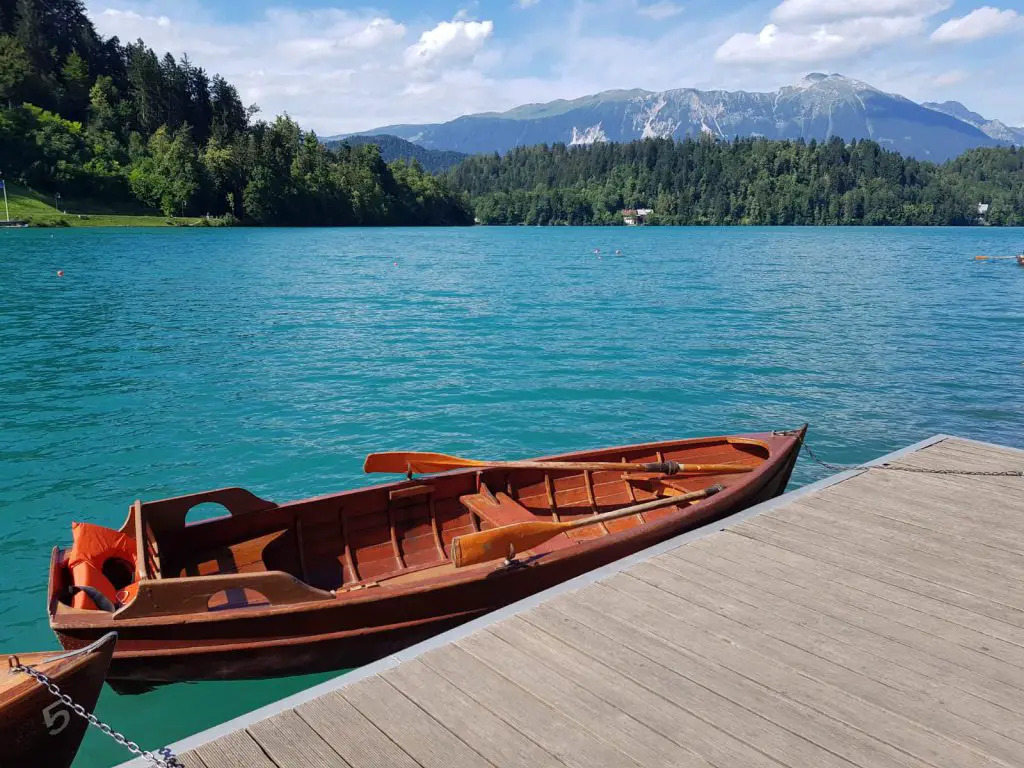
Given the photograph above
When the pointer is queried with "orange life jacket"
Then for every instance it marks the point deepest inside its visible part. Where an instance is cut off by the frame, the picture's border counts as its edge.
(93, 546)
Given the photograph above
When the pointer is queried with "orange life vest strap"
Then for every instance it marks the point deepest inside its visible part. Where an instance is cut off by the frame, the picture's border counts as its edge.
(93, 546)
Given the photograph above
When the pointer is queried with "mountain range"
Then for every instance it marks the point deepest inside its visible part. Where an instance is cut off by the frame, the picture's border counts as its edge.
(819, 106)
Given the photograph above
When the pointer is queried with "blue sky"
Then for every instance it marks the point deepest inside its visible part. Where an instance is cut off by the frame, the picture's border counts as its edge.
(339, 67)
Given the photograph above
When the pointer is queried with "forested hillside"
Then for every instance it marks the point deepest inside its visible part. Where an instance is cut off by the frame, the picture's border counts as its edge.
(746, 181)
(393, 148)
(89, 117)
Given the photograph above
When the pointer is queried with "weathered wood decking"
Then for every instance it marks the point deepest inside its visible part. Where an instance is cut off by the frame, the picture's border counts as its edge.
(874, 619)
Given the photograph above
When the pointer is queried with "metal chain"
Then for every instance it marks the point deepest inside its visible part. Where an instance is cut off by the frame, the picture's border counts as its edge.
(921, 470)
(166, 758)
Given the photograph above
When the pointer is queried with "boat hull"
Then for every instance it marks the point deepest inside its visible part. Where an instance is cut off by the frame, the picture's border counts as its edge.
(36, 729)
(363, 626)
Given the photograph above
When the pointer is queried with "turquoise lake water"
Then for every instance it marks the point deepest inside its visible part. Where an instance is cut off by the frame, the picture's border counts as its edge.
(171, 361)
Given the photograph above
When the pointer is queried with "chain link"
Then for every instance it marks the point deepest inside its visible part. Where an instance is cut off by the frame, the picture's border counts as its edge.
(166, 758)
(921, 470)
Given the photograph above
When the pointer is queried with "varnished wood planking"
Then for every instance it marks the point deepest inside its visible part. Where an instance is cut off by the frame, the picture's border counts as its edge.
(878, 622)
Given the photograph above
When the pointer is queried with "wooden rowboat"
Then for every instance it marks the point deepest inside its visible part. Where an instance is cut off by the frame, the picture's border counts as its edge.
(38, 729)
(337, 581)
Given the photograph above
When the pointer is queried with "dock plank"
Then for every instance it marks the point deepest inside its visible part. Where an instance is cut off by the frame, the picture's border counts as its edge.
(903, 720)
(550, 728)
(598, 678)
(484, 731)
(235, 750)
(714, 728)
(906, 561)
(359, 742)
(759, 614)
(788, 732)
(829, 551)
(968, 658)
(876, 622)
(605, 721)
(290, 741)
(420, 736)
(935, 615)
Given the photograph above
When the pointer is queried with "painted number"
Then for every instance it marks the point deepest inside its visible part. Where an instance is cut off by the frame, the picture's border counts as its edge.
(56, 719)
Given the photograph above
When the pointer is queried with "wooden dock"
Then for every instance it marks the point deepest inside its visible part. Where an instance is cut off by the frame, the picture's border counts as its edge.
(873, 619)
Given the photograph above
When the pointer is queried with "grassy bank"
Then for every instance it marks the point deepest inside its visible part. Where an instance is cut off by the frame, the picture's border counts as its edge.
(38, 209)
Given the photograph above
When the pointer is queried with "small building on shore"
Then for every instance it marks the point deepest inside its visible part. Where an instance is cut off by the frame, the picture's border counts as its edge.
(633, 217)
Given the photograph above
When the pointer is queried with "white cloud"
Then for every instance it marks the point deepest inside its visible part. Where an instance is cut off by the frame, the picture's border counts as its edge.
(449, 40)
(826, 42)
(527, 3)
(821, 11)
(806, 31)
(953, 77)
(660, 10)
(980, 23)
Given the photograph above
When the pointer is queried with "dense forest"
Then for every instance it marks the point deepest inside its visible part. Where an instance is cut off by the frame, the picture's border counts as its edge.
(393, 148)
(92, 118)
(746, 181)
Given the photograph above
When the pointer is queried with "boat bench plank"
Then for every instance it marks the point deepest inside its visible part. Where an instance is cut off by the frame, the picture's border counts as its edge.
(498, 509)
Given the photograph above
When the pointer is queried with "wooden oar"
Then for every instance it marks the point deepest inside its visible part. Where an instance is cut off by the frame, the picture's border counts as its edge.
(409, 461)
(479, 547)
(992, 258)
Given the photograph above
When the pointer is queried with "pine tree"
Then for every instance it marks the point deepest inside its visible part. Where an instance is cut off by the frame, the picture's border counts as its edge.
(14, 66)
(76, 82)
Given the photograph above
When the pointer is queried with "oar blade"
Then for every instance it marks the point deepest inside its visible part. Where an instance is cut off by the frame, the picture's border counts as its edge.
(419, 463)
(483, 546)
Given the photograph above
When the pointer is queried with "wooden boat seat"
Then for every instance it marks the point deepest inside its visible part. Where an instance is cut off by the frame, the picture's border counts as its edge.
(497, 509)
(270, 552)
